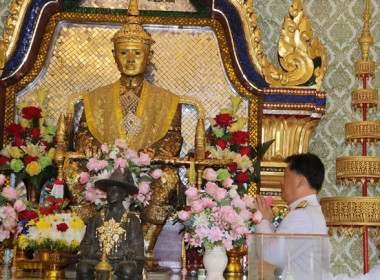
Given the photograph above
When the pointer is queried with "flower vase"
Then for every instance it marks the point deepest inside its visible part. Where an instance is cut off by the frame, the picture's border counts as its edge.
(53, 263)
(215, 262)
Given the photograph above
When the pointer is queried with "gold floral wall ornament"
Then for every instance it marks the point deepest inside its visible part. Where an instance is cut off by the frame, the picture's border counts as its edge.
(303, 59)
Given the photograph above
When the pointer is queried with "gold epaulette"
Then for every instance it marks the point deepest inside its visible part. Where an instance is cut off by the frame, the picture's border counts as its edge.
(302, 204)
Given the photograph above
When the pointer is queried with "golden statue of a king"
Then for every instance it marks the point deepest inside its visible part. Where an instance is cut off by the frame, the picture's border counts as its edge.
(146, 116)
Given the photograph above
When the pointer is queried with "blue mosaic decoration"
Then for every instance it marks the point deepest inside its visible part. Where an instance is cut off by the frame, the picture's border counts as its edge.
(25, 36)
(292, 98)
(238, 34)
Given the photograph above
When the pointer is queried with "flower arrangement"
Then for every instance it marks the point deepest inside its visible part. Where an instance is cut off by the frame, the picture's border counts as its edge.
(217, 215)
(116, 156)
(52, 227)
(31, 152)
(10, 207)
(226, 139)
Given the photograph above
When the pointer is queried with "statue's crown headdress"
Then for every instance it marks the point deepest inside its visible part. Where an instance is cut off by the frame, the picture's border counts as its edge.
(132, 30)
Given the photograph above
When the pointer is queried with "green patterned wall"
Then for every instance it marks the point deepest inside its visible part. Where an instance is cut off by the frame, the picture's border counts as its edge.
(338, 24)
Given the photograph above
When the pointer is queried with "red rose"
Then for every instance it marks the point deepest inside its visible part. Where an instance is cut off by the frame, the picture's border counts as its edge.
(221, 143)
(35, 132)
(54, 207)
(50, 200)
(27, 215)
(242, 177)
(46, 210)
(19, 141)
(210, 138)
(223, 120)
(14, 129)
(31, 113)
(28, 159)
(62, 227)
(245, 151)
(239, 137)
(46, 144)
(67, 200)
(4, 160)
(232, 167)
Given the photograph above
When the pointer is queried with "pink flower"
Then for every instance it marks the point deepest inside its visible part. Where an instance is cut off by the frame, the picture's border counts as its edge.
(249, 202)
(91, 195)
(211, 188)
(120, 163)
(144, 187)
(183, 215)
(121, 143)
(215, 234)
(9, 193)
(238, 202)
(197, 206)
(233, 193)
(104, 149)
(84, 177)
(202, 232)
(144, 159)
(195, 241)
(239, 230)
(4, 234)
(269, 201)
(95, 164)
(19, 205)
(2, 179)
(187, 237)
(228, 182)
(220, 194)
(210, 174)
(227, 242)
(157, 173)
(245, 214)
(257, 216)
(191, 192)
(131, 154)
(208, 202)
(229, 214)
(9, 223)
(10, 212)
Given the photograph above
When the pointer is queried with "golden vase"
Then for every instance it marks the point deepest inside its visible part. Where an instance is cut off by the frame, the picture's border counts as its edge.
(234, 266)
(53, 263)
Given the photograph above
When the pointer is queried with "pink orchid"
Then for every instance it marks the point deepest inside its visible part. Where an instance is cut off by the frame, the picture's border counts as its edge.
(84, 177)
(228, 182)
(120, 163)
(191, 192)
(157, 173)
(9, 193)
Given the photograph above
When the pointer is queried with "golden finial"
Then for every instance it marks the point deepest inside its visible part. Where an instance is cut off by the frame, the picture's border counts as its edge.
(132, 30)
(365, 67)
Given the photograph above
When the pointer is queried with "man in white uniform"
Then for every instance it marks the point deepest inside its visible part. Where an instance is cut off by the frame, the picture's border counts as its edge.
(302, 180)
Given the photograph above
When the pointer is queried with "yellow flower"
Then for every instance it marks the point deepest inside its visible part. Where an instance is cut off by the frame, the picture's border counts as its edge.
(31, 223)
(40, 240)
(55, 217)
(16, 153)
(22, 104)
(22, 241)
(24, 122)
(225, 111)
(76, 224)
(51, 153)
(33, 150)
(42, 225)
(33, 168)
(42, 94)
(73, 214)
(240, 123)
(235, 101)
(75, 243)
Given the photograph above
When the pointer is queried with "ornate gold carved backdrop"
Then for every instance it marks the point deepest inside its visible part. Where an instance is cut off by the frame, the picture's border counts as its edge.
(186, 61)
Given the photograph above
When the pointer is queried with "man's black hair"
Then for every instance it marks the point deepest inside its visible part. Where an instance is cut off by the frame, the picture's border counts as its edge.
(310, 166)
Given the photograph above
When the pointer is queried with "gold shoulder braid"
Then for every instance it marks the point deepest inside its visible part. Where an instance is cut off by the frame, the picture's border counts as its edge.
(302, 204)
(110, 234)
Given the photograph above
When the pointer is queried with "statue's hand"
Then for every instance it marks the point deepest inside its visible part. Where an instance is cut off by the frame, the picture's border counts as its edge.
(130, 255)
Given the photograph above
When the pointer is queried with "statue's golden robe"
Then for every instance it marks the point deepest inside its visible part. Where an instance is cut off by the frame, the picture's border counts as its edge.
(154, 115)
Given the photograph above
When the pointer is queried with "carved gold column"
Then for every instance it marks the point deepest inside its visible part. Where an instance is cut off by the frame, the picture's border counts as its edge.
(358, 214)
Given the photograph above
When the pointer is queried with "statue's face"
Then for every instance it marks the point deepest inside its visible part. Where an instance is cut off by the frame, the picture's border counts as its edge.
(131, 58)
(115, 195)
